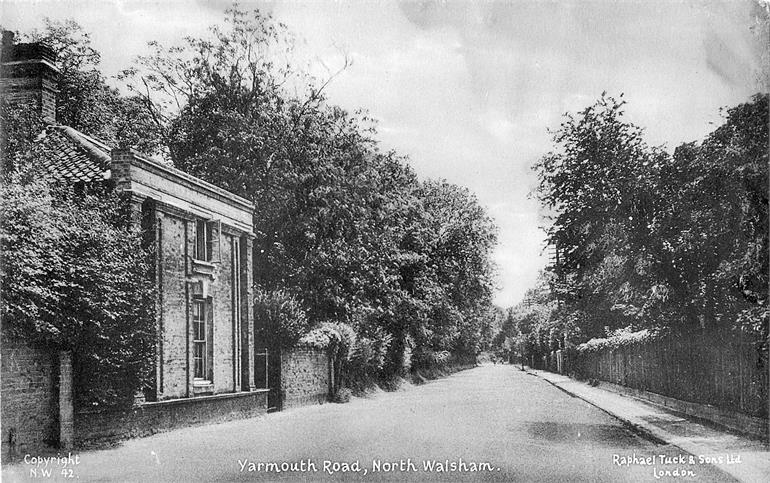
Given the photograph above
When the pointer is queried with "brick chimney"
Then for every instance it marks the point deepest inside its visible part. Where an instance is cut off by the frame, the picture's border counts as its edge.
(28, 73)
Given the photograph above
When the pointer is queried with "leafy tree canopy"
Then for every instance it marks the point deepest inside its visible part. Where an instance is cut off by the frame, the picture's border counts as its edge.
(650, 239)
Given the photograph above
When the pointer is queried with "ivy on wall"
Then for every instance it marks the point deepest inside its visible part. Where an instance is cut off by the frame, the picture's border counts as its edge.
(75, 278)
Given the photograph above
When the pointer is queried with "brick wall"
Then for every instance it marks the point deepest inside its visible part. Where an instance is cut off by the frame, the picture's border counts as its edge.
(180, 284)
(304, 377)
(247, 342)
(25, 79)
(96, 428)
(29, 398)
(223, 320)
(176, 203)
(173, 381)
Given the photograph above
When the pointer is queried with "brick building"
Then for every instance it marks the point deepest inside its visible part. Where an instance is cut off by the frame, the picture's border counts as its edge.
(204, 356)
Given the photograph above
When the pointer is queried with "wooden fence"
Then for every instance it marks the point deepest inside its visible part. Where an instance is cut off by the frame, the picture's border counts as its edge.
(722, 370)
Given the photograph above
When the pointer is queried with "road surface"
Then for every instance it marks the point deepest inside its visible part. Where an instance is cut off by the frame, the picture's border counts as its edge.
(492, 423)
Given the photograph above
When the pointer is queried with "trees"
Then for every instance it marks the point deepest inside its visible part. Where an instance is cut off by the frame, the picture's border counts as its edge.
(351, 248)
(85, 101)
(346, 235)
(453, 278)
(649, 239)
(242, 72)
(347, 226)
(537, 325)
(717, 256)
(283, 318)
(595, 184)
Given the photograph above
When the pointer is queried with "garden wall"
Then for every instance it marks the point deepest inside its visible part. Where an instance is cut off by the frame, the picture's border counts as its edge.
(304, 377)
(97, 427)
(30, 398)
(37, 413)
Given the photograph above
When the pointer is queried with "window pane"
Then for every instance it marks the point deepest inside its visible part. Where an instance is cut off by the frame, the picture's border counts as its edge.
(200, 240)
(201, 320)
(198, 351)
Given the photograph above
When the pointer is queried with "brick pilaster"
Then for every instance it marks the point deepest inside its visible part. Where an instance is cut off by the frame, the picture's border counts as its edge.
(66, 404)
(247, 315)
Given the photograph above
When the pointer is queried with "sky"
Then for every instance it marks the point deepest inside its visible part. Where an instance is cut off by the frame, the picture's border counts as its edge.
(468, 90)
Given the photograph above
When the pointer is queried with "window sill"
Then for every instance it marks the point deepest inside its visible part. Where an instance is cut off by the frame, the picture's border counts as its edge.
(203, 268)
(202, 387)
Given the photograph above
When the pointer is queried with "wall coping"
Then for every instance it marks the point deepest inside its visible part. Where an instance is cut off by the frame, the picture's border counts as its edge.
(178, 401)
(178, 176)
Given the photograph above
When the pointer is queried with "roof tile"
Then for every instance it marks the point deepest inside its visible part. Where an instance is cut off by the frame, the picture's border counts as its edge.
(71, 155)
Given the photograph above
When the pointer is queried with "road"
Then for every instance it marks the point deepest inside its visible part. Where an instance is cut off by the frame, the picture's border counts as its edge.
(505, 424)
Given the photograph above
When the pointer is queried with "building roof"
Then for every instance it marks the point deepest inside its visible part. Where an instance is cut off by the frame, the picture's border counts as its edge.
(71, 155)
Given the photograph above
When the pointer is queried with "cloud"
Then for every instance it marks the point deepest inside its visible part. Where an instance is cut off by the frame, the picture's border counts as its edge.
(498, 124)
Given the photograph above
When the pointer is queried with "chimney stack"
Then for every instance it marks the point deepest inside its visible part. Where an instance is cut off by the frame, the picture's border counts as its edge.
(28, 74)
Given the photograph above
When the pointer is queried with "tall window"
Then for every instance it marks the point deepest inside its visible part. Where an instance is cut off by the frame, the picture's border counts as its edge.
(201, 319)
(202, 240)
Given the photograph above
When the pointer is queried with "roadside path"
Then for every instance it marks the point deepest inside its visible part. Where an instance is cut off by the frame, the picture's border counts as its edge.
(744, 458)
